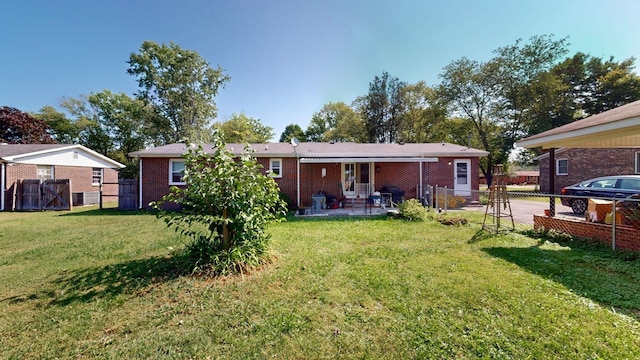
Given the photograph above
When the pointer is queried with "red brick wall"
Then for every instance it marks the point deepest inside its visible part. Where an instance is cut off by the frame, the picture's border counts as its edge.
(155, 177)
(584, 164)
(155, 180)
(627, 237)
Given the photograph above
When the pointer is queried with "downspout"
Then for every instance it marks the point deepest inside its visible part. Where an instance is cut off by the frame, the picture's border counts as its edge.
(297, 177)
(139, 183)
(421, 196)
(2, 185)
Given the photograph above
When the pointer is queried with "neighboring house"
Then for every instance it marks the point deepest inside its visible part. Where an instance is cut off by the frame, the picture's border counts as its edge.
(520, 177)
(341, 169)
(85, 169)
(573, 165)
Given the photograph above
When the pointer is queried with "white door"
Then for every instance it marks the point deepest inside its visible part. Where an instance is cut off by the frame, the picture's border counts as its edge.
(357, 179)
(462, 177)
(349, 179)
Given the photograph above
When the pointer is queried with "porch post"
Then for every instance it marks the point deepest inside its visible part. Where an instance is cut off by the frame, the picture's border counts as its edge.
(552, 181)
(298, 177)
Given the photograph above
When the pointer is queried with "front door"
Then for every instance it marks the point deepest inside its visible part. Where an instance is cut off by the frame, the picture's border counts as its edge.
(462, 176)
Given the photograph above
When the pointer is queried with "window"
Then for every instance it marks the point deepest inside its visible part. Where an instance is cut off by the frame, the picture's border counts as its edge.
(630, 184)
(96, 176)
(275, 165)
(176, 172)
(562, 167)
(638, 163)
(45, 172)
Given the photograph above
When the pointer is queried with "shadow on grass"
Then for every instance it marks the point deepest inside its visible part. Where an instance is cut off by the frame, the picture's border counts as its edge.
(600, 277)
(106, 282)
(107, 212)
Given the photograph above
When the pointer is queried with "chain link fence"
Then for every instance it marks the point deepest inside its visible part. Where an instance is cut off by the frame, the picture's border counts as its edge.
(552, 210)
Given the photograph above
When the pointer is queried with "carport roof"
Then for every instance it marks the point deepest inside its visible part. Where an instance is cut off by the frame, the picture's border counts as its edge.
(616, 128)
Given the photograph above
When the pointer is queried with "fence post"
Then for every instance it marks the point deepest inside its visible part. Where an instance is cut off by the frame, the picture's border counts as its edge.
(613, 225)
(445, 199)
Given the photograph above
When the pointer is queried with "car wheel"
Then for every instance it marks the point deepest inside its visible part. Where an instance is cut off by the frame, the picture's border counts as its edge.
(579, 206)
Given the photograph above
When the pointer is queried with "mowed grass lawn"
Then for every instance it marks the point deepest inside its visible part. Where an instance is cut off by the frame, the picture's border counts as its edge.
(99, 284)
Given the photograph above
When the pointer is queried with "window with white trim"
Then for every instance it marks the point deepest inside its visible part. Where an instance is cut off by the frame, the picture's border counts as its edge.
(562, 167)
(275, 165)
(176, 172)
(638, 163)
(96, 176)
(45, 172)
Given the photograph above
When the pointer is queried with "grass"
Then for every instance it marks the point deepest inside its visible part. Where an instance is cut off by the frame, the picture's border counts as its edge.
(93, 283)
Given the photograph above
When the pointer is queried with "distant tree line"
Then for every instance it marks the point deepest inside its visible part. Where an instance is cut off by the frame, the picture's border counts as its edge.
(524, 89)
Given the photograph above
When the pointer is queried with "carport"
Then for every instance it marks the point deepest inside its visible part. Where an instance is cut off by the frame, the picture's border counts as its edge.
(615, 128)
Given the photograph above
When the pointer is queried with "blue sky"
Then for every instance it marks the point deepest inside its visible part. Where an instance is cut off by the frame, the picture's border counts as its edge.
(286, 59)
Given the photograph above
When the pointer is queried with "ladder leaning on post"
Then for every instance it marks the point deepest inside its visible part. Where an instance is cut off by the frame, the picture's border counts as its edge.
(498, 197)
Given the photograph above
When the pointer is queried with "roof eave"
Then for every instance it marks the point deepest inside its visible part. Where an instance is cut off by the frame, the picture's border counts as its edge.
(615, 132)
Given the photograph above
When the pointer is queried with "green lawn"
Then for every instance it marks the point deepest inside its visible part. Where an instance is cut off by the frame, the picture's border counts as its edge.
(98, 284)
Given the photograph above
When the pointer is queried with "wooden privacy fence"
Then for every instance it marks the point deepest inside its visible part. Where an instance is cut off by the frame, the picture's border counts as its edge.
(128, 194)
(37, 195)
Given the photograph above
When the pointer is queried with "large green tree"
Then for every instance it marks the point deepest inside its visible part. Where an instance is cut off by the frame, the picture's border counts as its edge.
(472, 88)
(181, 86)
(122, 118)
(63, 129)
(424, 115)
(497, 96)
(519, 69)
(336, 122)
(293, 131)
(383, 109)
(241, 128)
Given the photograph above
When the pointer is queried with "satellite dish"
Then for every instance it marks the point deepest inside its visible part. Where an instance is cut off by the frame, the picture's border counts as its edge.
(294, 141)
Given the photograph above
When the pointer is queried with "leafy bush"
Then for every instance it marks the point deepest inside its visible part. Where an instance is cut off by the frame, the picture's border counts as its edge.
(412, 210)
(226, 205)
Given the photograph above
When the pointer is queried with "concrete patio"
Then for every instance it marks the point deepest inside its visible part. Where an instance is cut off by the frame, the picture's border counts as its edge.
(349, 211)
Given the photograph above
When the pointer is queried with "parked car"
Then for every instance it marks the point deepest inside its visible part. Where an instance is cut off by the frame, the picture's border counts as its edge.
(620, 186)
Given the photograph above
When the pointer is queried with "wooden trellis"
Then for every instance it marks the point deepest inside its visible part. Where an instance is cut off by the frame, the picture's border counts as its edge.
(498, 203)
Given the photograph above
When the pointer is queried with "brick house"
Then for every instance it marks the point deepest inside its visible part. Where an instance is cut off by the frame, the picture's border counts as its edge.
(602, 136)
(573, 165)
(84, 167)
(342, 169)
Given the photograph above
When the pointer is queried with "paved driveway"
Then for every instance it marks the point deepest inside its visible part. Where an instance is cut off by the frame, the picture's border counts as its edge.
(523, 210)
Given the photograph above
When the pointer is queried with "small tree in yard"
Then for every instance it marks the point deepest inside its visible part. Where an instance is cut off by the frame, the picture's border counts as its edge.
(225, 207)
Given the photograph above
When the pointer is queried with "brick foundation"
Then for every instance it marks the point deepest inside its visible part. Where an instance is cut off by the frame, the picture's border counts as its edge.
(627, 237)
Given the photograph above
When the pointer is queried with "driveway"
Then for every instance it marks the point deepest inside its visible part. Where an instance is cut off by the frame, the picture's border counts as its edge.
(523, 210)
